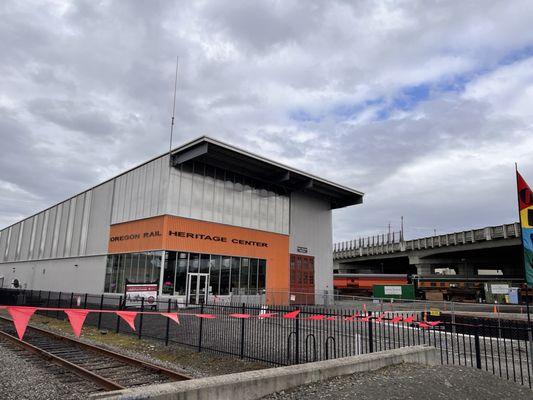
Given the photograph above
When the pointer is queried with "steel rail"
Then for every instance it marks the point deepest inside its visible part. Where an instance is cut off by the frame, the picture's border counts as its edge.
(84, 373)
(176, 376)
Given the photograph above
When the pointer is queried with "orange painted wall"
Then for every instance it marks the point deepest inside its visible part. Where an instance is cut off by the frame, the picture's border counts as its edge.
(153, 234)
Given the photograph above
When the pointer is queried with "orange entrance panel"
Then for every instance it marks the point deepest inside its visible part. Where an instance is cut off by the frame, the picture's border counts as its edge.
(168, 232)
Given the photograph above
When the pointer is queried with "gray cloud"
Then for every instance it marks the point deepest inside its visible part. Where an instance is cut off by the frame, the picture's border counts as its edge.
(86, 92)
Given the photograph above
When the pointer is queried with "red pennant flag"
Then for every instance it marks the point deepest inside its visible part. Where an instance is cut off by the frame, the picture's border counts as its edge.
(433, 323)
(292, 314)
(76, 319)
(378, 319)
(423, 325)
(206, 316)
(409, 319)
(172, 316)
(356, 315)
(366, 319)
(267, 315)
(396, 319)
(331, 318)
(129, 317)
(242, 316)
(21, 316)
(316, 317)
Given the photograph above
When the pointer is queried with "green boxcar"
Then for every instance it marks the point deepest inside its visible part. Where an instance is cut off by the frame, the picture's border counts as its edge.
(394, 291)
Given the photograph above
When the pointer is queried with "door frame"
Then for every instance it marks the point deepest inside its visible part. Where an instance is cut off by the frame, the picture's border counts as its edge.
(199, 277)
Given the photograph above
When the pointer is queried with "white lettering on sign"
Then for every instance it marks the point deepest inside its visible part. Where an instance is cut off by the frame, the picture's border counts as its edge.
(394, 290)
(499, 289)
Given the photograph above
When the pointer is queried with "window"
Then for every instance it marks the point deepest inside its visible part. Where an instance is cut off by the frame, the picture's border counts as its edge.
(214, 277)
(204, 264)
(225, 275)
(245, 269)
(253, 276)
(181, 273)
(194, 260)
(133, 267)
(235, 264)
(261, 281)
(169, 274)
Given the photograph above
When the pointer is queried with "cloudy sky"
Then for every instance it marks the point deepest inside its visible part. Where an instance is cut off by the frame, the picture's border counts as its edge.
(423, 105)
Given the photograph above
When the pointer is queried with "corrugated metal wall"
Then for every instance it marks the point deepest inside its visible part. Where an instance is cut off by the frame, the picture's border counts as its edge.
(141, 193)
(76, 227)
(80, 226)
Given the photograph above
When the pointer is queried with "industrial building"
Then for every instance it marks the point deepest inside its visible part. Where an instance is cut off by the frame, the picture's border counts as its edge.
(205, 221)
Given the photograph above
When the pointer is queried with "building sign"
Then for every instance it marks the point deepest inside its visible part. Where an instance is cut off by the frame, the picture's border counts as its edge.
(135, 292)
(215, 238)
(394, 290)
(192, 235)
(499, 288)
(135, 236)
(301, 249)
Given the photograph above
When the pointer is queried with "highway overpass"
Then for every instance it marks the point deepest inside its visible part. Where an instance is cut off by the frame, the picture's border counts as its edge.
(467, 253)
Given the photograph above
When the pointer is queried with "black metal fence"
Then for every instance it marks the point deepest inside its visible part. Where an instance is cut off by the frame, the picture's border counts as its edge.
(503, 348)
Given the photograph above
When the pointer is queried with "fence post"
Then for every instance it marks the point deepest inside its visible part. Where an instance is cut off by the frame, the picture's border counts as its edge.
(85, 302)
(118, 318)
(71, 299)
(141, 318)
(39, 299)
(478, 348)
(297, 352)
(529, 333)
(58, 305)
(48, 303)
(201, 327)
(242, 330)
(168, 324)
(100, 314)
(370, 333)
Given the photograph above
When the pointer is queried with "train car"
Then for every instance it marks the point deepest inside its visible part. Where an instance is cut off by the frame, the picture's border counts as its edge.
(436, 287)
(456, 288)
(362, 284)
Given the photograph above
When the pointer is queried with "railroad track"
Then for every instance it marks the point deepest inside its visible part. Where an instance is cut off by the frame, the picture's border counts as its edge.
(105, 369)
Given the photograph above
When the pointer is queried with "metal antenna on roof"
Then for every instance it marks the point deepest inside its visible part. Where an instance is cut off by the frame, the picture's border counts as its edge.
(173, 109)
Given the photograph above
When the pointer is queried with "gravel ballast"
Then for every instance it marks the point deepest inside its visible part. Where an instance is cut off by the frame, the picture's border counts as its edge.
(411, 381)
(24, 378)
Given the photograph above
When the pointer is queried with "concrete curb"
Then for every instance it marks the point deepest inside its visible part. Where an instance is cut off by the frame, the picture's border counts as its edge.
(256, 384)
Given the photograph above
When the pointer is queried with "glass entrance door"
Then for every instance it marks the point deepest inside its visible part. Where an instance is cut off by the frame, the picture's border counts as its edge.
(197, 285)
